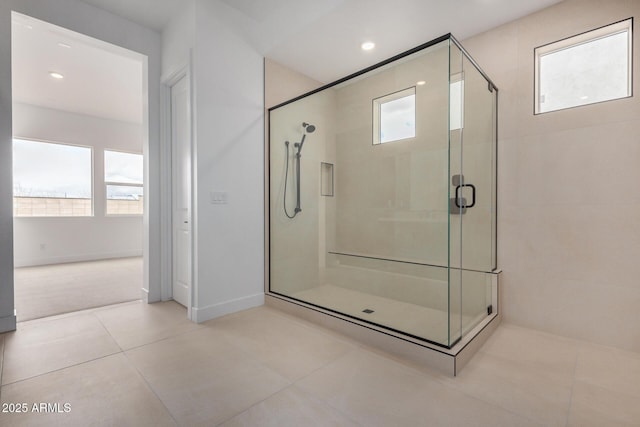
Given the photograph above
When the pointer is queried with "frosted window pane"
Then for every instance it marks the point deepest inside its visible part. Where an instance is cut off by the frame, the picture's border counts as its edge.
(586, 73)
(398, 119)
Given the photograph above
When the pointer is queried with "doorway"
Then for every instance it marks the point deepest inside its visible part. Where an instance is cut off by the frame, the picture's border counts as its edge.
(79, 131)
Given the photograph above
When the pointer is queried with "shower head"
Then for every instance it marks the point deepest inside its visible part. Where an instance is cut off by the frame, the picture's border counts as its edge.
(307, 129)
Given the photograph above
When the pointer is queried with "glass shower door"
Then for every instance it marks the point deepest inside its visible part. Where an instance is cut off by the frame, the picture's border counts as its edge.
(473, 102)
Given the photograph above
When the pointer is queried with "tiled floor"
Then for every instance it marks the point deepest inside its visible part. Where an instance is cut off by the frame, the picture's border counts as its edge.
(49, 290)
(135, 364)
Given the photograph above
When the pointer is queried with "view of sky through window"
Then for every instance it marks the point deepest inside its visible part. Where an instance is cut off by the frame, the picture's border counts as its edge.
(398, 119)
(584, 69)
(123, 168)
(42, 169)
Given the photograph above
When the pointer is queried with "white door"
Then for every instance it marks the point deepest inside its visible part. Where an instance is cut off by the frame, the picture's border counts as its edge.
(181, 177)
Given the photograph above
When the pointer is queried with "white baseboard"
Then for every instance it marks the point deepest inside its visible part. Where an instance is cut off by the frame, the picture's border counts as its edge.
(203, 314)
(144, 296)
(8, 323)
(74, 258)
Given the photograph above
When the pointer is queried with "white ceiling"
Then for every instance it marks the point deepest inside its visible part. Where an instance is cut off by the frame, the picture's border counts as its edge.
(319, 38)
(329, 47)
(152, 14)
(100, 79)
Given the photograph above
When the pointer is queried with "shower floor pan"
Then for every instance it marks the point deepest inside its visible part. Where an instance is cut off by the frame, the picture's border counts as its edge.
(413, 319)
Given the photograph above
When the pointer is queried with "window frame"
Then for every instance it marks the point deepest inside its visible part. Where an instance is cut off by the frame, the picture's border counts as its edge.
(92, 177)
(377, 111)
(625, 25)
(119, 184)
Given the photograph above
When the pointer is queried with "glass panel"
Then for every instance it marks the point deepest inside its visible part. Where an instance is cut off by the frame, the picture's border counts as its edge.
(51, 179)
(477, 223)
(476, 299)
(478, 153)
(456, 179)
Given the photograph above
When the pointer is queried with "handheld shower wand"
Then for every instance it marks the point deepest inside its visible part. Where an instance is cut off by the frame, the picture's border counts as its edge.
(307, 128)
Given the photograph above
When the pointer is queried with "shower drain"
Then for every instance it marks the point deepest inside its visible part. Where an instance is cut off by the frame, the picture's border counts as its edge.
(367, 310)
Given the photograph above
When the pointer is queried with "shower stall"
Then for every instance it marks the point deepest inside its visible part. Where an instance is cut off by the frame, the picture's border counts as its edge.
(387, 217)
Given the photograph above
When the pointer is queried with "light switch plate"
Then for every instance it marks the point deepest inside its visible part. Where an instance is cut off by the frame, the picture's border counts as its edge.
(219, 197)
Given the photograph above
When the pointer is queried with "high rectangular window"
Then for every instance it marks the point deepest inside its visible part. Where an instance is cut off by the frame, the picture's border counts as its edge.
(51, 179)
(394, 116)
(123, 177)
(591, 67)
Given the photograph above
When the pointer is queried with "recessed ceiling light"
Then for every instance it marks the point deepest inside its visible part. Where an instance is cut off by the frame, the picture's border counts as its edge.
(367, 45)
(64, 45)
(421, 82)
(584, 97)
(56, 75)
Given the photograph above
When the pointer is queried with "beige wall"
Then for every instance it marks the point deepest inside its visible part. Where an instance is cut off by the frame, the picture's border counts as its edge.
(295, 243)
(392, 198)
(569, 201)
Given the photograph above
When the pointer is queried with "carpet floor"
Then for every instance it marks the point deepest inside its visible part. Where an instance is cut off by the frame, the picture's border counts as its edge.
(62, 288)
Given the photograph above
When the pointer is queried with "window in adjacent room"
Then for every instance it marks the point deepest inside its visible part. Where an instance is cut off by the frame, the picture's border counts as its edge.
(51, 179)
(394, 116)
(123, 177)
(591, 67)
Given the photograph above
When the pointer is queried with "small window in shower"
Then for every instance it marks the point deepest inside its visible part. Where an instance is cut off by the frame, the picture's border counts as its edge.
(585, 69)
(394, 116)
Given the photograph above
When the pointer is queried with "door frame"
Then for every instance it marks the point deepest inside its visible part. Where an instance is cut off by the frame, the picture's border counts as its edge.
(166, 161)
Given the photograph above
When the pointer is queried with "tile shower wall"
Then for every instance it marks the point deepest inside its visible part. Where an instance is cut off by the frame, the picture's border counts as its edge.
(299, 269)
(569, 195)
(298, 245)
(391, 198)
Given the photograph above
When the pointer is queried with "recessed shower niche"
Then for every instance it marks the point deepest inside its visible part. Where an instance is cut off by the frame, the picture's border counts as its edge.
(382, 205)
